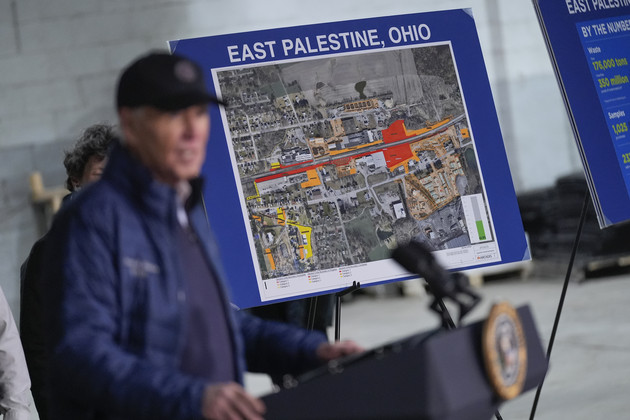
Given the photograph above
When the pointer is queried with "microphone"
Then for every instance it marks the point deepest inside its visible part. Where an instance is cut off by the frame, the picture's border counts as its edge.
(416, 258)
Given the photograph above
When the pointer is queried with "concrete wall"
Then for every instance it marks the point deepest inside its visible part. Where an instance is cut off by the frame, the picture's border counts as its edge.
(59, 61)
(533, 119)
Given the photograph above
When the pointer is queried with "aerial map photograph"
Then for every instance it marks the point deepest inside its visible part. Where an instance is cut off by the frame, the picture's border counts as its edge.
(340, 159)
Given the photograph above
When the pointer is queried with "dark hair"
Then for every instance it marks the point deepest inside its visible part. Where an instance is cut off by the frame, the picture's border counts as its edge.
(94, 142)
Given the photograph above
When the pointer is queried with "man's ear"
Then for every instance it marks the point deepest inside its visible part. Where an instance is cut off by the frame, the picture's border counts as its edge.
(126, 121)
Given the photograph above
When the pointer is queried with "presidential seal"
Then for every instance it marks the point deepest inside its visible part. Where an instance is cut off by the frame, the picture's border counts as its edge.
(504, 351)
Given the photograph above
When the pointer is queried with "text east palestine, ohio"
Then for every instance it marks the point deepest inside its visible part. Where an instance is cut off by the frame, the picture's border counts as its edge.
(305, 45)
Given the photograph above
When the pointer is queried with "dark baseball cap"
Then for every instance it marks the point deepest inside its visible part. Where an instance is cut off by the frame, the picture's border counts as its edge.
(165, 81)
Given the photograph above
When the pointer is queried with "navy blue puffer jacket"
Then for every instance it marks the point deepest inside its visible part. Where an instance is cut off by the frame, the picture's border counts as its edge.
(116, 304)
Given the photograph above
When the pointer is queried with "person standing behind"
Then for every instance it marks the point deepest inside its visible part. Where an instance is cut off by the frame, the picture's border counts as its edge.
(84, 164)
(141, 325)
(14, 380)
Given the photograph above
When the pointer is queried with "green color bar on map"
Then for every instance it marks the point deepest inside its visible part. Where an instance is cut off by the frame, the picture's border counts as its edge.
(480, 231)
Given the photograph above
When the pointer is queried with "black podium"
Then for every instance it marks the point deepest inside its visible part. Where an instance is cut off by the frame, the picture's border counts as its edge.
(432, 376)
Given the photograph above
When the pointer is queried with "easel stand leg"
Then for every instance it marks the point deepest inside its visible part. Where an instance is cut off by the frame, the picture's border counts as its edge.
(338, 296)
(312, 310)
(576, 242)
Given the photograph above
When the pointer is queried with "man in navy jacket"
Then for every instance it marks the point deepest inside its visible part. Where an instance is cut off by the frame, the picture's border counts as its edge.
(141, 325)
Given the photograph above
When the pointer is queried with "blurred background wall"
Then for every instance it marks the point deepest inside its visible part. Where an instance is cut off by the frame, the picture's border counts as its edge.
(59, 61)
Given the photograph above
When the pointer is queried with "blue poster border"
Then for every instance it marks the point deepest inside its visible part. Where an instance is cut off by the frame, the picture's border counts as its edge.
(454, 26)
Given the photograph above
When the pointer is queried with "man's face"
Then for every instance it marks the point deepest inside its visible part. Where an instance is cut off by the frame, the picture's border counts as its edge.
(172, 144)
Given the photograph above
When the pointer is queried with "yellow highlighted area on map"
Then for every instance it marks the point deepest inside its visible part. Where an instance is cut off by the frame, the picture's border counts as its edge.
(306, 249)
(282, 216)
(257, 196)
(304, 244)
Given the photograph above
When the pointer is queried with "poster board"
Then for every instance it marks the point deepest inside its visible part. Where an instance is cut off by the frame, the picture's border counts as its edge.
(340, 140)
(589, 45)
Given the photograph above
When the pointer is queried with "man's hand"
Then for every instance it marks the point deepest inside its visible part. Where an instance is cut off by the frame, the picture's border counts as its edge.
(230, 401)
(327, 351)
